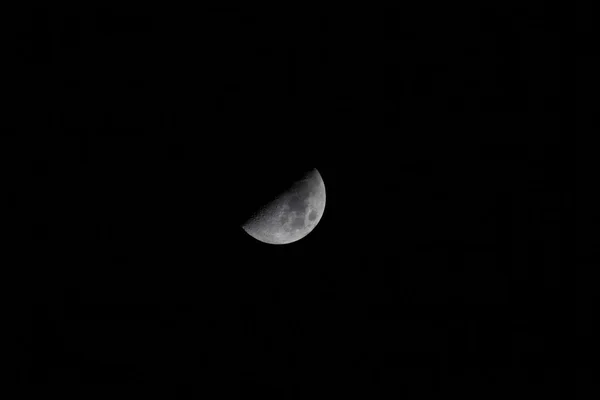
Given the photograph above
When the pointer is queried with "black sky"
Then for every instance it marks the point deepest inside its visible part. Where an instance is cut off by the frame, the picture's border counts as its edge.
(146, 134)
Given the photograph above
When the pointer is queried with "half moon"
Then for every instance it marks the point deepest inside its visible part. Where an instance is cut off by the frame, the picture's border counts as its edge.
(292, 215)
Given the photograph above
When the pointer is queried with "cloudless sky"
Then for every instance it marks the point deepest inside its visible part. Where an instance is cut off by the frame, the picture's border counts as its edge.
(436, 264)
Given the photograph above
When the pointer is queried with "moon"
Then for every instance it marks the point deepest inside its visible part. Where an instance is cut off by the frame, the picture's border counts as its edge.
(291, 215)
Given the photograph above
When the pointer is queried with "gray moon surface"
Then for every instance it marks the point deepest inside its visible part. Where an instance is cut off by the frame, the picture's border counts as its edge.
(291, 215)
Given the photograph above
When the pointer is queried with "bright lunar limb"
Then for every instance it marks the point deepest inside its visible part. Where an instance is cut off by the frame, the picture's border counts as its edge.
(292, 215)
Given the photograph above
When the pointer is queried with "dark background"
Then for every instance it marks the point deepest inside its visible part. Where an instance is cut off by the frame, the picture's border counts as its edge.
(143, 138)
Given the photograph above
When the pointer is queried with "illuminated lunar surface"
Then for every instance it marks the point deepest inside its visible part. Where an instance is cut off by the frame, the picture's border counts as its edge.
(292, 215)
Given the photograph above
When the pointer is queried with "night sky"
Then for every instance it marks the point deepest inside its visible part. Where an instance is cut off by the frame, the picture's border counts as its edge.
(145, 138)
